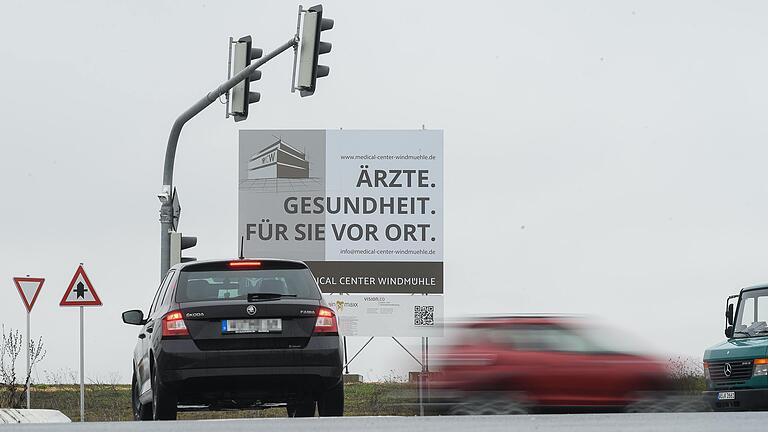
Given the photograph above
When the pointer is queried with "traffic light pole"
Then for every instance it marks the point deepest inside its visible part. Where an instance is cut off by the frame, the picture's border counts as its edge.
(166, 211)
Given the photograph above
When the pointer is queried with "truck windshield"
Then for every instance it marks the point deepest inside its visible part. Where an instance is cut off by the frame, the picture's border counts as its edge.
(752, 314)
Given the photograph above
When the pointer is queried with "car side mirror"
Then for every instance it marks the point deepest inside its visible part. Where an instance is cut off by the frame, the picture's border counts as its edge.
(729, 315)
(729, 331)
(134, 317)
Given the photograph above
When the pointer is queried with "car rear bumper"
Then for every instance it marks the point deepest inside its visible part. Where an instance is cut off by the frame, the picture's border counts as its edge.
(745, 400)
(248, 376)
(244, 387)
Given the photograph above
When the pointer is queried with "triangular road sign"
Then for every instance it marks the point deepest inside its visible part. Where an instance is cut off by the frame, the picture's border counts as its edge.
(28, 288)
(80, 291)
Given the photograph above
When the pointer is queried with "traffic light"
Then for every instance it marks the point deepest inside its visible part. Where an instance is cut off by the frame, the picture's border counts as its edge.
(311, 48)
(178, 244)
(241, 94)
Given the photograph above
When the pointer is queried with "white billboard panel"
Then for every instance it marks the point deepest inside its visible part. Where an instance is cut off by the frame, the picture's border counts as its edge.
(363, 208)
(398, 315)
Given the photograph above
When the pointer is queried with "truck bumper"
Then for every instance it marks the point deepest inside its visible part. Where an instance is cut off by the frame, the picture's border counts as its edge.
(745, 400)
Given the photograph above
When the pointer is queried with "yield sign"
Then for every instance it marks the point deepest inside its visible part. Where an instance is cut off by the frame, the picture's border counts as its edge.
(80, 291)
(28, 288)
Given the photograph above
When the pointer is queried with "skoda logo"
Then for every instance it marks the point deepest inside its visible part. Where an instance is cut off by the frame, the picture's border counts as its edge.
(251, 309)
(727, 369)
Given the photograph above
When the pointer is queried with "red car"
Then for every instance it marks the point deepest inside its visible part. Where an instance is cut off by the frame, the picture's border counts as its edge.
(520, 364)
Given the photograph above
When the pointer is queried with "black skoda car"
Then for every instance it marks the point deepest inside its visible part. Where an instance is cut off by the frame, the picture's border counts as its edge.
(237, 334)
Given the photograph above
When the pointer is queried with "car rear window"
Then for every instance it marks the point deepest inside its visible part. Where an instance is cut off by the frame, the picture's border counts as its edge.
(236, 284)
(538, 337)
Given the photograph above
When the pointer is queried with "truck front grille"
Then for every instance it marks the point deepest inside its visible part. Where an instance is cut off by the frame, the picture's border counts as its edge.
(740, 372)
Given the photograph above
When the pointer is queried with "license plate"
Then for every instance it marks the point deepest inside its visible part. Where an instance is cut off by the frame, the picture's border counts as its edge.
(726, 396)
(267, 325)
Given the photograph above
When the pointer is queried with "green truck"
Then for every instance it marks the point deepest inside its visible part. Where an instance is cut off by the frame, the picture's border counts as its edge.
(736, 370)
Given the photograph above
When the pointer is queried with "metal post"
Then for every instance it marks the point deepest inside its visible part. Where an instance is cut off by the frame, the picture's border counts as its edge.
(82, 368)
(421, 381)
(229, 71)
(173, 141)
(346, 365)
(29, 372)
(358, 352)
(426, 366)
(296, 51)
(406, 350)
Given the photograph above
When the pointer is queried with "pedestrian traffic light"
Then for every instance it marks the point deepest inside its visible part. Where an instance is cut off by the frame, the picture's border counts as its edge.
(311, 48)
(178, 244)
(241, 94)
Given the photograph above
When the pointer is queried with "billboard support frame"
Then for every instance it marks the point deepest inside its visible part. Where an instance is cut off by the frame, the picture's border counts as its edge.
(424, 363)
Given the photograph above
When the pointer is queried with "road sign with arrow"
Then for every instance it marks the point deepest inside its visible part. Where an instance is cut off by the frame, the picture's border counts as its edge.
(80, 291)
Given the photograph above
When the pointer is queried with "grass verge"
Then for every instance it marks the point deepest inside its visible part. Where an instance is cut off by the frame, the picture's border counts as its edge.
(113, 402)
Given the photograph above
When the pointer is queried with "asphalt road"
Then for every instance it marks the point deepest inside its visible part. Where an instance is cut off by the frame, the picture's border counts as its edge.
(698, 422)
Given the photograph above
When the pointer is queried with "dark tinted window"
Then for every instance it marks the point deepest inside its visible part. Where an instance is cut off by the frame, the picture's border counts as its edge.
(160, 290)
(538, 337)
(752, 314)
(204, 284)
(168, 292)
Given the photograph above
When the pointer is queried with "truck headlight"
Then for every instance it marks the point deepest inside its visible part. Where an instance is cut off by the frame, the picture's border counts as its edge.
(706, 370)
(761, 367)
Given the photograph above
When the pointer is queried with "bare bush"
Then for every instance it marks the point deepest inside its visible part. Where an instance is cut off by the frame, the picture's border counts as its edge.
(12, 394)
(61, 376)
(687, 374)
(111, 380)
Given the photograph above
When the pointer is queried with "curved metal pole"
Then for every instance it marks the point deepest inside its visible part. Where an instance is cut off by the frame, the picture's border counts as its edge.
(173, 141)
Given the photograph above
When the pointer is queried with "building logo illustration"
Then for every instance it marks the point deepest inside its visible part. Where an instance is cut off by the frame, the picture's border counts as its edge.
(278, 160)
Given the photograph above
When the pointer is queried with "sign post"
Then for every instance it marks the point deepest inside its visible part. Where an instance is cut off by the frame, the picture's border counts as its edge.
(82, 366)
(81, 293)
(28, 289)
(26, 381)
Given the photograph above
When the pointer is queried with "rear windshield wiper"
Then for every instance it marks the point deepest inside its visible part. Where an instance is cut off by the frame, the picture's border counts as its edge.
(255, 297)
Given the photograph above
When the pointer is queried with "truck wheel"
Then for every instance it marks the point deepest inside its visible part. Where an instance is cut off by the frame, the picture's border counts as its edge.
(163, 400)
(301, 409)
(331, 401)
(140, 411)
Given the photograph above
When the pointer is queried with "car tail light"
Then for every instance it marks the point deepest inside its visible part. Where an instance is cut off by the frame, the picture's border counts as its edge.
(174, 325)
(326, 321)
(761, 367)
(244, 264)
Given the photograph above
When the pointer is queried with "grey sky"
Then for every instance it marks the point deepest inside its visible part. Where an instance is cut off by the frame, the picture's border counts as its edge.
(601, 157)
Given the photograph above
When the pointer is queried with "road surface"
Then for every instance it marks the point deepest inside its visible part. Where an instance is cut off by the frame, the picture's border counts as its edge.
(694, 422)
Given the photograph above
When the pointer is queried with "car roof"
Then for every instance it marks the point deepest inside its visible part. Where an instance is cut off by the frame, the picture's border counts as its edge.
(181, 266)
(755, 287)
(519, 319)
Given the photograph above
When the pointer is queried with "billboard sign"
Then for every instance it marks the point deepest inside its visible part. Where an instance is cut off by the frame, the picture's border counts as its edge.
(364, 208)
(388, 315)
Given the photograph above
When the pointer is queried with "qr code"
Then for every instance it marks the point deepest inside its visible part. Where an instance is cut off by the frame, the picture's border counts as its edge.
(424, 315)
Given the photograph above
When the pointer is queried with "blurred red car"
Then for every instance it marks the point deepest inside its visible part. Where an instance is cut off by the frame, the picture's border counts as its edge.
(521, 364)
